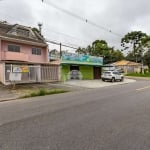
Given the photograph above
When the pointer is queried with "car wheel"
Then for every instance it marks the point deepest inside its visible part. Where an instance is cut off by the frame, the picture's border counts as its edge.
(103, 79)
(122, 79)
(113, 80)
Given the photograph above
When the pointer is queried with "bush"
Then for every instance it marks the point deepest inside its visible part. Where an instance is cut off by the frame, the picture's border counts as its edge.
(43, 92)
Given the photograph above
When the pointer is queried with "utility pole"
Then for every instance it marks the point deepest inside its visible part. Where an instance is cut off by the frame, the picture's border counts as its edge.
(60, 50)
(142, 63)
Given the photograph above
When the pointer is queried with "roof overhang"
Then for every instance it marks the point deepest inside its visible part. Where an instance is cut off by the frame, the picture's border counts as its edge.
(81, 63)
(23, 41)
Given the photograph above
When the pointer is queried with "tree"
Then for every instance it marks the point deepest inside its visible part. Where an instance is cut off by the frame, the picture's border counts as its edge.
(147, 58)
(133, 57)
(134, 41)
(117, 55)
(101, 48)
(81, 51)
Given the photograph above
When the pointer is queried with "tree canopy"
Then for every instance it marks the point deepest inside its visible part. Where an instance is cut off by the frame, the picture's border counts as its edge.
(133, 40)
(147, 58)
(101, 48)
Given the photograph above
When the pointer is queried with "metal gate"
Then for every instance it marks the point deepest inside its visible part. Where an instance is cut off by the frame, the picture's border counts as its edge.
(31, 73)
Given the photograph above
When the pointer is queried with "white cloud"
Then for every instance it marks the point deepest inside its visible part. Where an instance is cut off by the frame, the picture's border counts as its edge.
(118, 16)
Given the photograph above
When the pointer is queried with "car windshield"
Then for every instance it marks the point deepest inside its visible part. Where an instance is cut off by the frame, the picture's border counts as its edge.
(107, 72)
(116, 73)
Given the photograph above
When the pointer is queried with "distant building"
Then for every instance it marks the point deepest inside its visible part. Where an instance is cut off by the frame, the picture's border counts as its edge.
(128, 66)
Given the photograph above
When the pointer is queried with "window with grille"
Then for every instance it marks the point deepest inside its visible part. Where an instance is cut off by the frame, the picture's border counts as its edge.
(36, 51)
(14, 48)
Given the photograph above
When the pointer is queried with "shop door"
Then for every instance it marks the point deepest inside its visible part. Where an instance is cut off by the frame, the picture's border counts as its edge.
(97, 72)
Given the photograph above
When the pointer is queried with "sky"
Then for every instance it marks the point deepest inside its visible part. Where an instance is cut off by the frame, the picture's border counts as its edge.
(79, 22)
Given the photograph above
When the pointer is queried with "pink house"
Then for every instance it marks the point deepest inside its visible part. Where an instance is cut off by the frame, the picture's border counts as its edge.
(24, 55)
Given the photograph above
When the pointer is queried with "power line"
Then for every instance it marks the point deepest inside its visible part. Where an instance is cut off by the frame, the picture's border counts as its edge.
(59, 43)
(68, 36)
(82, 19)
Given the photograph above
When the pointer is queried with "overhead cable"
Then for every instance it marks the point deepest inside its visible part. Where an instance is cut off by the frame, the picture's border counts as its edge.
(82, 19)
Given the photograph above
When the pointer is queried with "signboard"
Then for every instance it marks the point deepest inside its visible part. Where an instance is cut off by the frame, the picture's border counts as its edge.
(21, 69)
(14, 76)
(74, 58)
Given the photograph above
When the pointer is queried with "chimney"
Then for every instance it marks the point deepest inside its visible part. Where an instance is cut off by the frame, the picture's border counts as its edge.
(40, 27)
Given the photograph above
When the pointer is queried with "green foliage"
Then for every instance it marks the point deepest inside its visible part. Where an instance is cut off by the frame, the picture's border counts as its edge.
(101, 48)
(147, 58)
(43, 92)
(139, 74)
(132, 57)
(35, 29)
(134, 38)
(136, 42)
(116, 55)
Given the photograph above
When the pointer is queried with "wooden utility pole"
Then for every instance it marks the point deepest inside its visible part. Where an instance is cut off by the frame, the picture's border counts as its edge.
(60, 50)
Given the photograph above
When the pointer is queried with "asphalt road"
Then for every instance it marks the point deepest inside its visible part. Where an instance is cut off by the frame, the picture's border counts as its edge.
(110, 118)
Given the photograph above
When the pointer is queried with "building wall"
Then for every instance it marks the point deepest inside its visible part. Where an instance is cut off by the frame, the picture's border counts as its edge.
(1, 72)
(25, 53)
(87, 72)
(0, 49)
(65, 69)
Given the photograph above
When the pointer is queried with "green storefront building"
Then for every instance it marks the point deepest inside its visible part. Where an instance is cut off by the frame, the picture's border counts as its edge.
(83, 67)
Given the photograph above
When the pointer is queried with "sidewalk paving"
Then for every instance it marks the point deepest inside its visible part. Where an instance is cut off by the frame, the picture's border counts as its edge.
(8, 93)
(95, 83)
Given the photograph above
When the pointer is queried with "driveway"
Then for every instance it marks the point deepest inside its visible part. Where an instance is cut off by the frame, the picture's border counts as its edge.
(95, 83)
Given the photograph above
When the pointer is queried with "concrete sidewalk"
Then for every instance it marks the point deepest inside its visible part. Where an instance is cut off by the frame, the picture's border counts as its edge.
(95, 83)
(7, 93)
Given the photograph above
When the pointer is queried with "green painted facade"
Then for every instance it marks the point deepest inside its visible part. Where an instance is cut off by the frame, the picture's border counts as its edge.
(89, 66)
(65, 69)
(87, 72)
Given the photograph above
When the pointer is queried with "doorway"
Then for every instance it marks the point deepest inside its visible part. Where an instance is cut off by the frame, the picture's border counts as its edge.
(74, 72)
(74, 68)
(97, 72)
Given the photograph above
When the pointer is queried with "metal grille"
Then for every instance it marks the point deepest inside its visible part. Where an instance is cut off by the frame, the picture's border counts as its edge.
(30, 73)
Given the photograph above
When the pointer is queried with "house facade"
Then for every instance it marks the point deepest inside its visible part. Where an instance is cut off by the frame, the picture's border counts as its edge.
(79, 66)
(128, 66)
(24, 55)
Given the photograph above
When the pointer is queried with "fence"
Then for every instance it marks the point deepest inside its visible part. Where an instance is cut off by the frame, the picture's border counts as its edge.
(30, 73)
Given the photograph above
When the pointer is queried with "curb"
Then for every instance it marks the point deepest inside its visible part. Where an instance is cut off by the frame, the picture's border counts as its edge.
(136, 78)
(8, 99)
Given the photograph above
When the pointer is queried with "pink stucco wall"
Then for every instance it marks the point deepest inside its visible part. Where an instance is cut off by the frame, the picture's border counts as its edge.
(0, 49)
(25, 53)
(1, 72)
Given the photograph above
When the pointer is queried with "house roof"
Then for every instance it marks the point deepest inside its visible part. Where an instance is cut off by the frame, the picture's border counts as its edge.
(20, 32)
(125, 63)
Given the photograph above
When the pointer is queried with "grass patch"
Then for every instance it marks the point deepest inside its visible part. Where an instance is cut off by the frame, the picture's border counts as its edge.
(42, 92)
(139, 74)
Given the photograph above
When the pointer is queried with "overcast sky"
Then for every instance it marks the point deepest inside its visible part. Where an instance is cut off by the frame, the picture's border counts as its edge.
(116, 16)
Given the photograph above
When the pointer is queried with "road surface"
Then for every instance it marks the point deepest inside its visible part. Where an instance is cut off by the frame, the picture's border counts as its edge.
(110, 118)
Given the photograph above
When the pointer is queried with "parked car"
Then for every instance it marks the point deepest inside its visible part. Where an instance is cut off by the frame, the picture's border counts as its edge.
(74, 74)
(112, 76)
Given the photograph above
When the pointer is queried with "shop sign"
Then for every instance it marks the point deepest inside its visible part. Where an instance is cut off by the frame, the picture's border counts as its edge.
(21, 69)
(81, 59)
